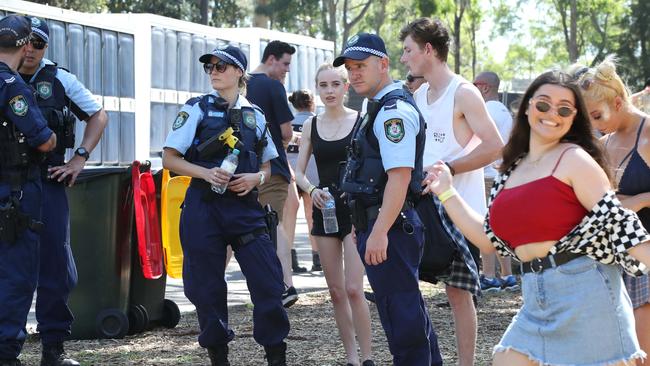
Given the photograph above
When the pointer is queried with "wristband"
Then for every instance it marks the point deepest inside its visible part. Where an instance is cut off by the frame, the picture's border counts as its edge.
(447, 194)
(451, 169)
(311, 189)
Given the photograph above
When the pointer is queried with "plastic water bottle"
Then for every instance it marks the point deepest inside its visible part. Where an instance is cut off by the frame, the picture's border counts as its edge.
(330, 224)
(228, 164)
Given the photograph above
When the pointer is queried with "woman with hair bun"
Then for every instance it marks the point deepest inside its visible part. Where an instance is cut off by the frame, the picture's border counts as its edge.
(303, 101)
(626, 137)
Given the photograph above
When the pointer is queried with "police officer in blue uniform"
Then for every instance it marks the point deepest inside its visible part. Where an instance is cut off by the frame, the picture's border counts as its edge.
(60, 97)
(382, 179)
(205, 131)
(24, 137)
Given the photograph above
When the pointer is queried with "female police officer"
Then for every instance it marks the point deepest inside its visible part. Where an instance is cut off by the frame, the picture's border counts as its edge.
(200, 139)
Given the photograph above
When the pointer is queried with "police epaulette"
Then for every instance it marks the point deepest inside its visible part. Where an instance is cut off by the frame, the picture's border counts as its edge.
(192, 101)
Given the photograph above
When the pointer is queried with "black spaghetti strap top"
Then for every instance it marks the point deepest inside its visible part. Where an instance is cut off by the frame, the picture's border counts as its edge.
(328, 156)
(636, 177)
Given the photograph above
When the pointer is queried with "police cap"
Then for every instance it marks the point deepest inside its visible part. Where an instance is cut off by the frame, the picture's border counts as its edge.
(229, 54)
(40, 29)
(15, 31)
(361, 46)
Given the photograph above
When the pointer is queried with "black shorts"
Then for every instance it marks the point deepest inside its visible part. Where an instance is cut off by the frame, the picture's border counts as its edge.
(343, 217)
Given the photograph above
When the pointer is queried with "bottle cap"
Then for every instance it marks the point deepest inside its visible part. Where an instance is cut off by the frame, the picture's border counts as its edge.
(235, 151)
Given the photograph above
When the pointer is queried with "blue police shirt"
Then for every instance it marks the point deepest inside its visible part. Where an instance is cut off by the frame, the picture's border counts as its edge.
(396, 126)
(181, 138)
(83, 104)
(17, 104)
(270, 95)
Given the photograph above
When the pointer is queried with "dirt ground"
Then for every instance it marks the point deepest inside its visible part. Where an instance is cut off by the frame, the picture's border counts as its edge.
(313, 340)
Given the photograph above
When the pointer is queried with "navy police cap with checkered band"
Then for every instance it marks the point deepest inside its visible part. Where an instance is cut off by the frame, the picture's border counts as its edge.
(40, 29)
(229, 54)
(360, 47)
(15, 31)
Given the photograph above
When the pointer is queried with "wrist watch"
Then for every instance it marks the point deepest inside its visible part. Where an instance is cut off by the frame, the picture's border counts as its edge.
(81, 151)
(261, 178)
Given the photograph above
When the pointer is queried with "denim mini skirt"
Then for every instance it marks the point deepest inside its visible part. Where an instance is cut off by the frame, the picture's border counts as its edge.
(578, 313)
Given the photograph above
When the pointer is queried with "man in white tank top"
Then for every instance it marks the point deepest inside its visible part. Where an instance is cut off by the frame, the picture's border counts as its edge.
(459, 132)
(487, 83)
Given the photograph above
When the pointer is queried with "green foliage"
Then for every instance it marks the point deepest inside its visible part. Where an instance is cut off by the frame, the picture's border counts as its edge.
(230, 13)
(295, 16)
(88, 6)
(184, 9)
(634, 45)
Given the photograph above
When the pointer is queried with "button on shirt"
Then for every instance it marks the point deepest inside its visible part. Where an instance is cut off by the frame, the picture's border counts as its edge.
(181, 138)
(399, 154)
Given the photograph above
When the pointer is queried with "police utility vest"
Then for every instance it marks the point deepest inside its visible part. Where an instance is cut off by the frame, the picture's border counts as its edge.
(56, 108)
(364, 177)
(217, 118)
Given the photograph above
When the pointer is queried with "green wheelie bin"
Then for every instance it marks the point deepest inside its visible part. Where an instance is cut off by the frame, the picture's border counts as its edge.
(101, 221)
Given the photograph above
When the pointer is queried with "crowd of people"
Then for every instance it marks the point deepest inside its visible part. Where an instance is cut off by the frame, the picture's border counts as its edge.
(563, 188)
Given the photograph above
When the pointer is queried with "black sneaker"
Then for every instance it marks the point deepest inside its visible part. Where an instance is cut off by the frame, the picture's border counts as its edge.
(368, 363)
(289, 297)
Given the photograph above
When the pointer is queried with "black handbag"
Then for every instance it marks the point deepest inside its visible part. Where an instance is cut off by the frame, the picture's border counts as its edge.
(439, 249)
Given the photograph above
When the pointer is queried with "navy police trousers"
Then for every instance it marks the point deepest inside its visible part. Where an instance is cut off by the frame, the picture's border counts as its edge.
(403, 314)
(206, 227)
(58, 274)
(18, 277)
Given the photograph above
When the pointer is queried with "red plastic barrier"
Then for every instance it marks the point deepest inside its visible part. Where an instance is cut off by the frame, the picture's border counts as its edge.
(147, 222)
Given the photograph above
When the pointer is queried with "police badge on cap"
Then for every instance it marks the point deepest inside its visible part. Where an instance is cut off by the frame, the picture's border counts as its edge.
(361, 46)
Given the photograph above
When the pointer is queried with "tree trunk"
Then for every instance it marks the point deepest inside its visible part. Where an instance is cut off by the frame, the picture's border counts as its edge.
(261, 20)
(204, 12)
(458, 19)
(380, 16)
(573, 35)
(347, 27)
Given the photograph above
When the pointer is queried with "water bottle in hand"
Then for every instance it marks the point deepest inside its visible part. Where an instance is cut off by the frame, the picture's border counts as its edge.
(229, 164)
(330, 224)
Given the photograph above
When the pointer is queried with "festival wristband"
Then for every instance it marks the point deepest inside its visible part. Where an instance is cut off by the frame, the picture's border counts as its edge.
(447, 194)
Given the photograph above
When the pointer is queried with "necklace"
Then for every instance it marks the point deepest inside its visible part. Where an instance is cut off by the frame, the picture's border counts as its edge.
(535, 162)
(332, 136)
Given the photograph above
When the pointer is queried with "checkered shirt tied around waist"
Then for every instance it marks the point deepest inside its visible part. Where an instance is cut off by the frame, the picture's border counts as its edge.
(464, 273)
(605, 234)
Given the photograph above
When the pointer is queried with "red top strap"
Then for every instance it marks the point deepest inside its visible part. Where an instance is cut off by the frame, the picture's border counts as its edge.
(560, 158)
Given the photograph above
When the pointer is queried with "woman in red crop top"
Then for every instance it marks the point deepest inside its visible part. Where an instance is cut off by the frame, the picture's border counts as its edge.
(552, 208)
(327, 137)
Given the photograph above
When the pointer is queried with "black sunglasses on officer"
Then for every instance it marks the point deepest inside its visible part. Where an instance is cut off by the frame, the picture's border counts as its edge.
(37, 42)
(220, 66)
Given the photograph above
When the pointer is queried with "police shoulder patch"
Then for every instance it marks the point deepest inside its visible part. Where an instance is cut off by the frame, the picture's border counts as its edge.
(180, 120)
(249, 119)
(19, 105)
(44, 89)
(394, 129)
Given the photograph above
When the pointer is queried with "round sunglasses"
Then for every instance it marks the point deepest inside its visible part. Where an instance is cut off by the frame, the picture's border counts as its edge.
(562, 111)
(219, 66)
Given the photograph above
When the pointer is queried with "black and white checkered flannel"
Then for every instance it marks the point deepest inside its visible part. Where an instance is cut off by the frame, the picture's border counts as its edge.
(605, 234)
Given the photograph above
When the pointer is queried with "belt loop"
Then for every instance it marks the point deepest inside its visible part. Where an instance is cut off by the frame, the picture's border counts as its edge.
(551, 259)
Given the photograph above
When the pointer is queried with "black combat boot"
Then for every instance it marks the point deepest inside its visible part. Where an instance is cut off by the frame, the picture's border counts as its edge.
(219, 355)
(54, 355)
(315, 258)
(12, 362)
(276, 355)
(295, 266)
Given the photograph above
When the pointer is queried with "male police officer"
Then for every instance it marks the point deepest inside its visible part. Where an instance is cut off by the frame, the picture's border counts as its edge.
(24, 136)
(59, 94)
(382, 178)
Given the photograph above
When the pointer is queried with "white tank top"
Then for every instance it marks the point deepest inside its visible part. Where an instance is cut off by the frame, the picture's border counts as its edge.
(441, 143)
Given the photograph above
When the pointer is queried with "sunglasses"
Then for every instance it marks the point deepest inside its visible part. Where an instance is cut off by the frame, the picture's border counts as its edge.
(562, 111)
(219, 66)
(411, 78)
(38, 44)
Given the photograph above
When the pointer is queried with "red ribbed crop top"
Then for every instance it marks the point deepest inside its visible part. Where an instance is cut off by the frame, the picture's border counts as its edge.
(540, 210)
